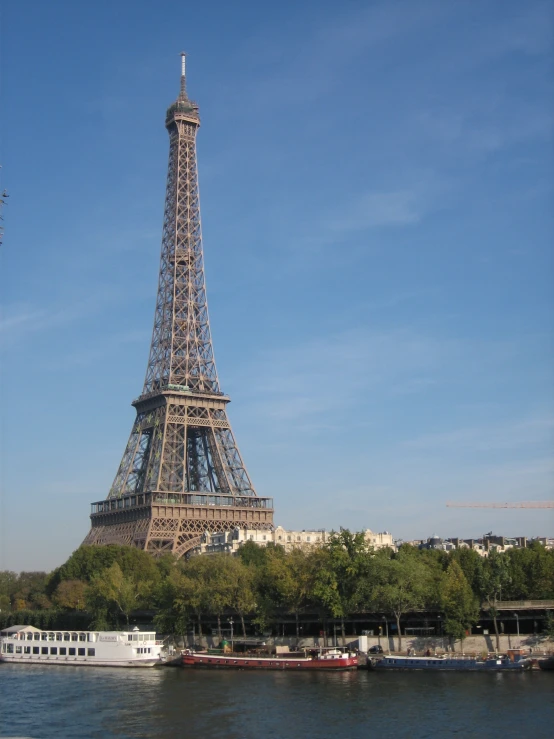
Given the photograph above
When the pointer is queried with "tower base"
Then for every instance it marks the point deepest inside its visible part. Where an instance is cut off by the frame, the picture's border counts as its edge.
(173, 523)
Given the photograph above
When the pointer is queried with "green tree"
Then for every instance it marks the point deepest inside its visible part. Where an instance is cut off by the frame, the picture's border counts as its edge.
(495, 577)
(208, 590)
(471, 563)
(242, 597)
(70, 595)
(175, 607)
(458, 602)
(113, 593)
(344, 563)
(292, 577)
(404, 584)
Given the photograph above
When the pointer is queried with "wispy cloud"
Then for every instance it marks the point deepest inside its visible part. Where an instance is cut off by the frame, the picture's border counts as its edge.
(379, 209)
(341, 371)
(513, 434)
(20, 319)
(315, 67)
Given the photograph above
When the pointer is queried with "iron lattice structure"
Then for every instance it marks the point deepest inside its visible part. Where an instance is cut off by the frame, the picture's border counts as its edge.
(182, 473)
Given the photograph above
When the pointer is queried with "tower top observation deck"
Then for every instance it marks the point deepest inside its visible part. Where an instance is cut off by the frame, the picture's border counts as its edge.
(182, 109)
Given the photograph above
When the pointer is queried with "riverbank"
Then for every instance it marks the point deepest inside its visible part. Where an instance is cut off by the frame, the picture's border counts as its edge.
(474, 644)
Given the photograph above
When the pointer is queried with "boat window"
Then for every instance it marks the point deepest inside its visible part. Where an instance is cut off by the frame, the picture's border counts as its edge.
(29, 636)
(82, 637)
(27, 650)
(18, 649)
(51, 636)
(9, 648)
(67, 636)
(91, 652)
(63, 651)
(44, 636)
(71, 651)
(58, 636)
(81, 651)
(36, 650)
(36, 637)
(74, 637)
(44, 650)
(53, 650)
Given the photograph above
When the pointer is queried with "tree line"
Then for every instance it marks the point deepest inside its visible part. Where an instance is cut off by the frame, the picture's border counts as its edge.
(100, 587)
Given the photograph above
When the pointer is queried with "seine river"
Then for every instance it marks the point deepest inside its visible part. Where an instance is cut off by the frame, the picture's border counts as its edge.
(171, 703)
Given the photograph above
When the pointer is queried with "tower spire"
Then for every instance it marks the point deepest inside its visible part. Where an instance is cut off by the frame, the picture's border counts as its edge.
(183, 92)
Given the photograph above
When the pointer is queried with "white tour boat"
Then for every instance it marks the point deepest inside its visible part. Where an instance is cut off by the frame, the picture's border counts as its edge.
(28, 645)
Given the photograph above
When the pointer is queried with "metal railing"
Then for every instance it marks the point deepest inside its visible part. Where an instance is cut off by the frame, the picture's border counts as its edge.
(189, 499)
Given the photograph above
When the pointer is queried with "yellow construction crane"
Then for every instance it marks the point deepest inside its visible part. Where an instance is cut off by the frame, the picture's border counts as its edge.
(524, 504)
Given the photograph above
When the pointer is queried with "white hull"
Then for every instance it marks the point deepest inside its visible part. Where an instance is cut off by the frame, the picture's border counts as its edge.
(76, 662)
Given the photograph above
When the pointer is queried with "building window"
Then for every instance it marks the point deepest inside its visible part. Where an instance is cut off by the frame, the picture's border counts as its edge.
(288, 538)
(91, 652)
(280, 538)
(63, 651)
(81, 651)
(308, 538)
(53, 650)
(72, 651)
(264, 537)
(298, 538)
(36, 650)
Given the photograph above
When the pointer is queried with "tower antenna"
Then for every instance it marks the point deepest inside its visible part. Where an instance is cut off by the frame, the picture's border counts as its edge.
(183, 93)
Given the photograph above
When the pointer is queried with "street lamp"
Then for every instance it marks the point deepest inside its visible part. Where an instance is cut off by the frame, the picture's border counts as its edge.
(231, 622)
(517, 622)
(384, 618)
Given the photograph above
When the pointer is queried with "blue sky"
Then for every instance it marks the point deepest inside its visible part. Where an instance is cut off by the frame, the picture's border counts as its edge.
(376, 182)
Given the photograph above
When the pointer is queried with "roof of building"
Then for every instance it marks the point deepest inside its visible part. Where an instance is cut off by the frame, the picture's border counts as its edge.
(20, 627)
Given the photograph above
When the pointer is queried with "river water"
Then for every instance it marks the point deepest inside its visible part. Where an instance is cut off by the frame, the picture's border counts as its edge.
(173, 703)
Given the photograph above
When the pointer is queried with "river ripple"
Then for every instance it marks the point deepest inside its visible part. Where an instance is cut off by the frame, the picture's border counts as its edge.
(104, 703)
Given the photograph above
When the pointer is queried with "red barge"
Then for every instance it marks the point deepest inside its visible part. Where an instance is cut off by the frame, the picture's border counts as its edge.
(323, 660)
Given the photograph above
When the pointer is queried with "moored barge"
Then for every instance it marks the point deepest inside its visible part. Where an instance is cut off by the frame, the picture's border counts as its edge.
(514, 660)
(332, 659)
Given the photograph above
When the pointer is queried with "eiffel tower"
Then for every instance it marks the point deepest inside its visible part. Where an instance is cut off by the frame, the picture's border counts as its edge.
(181, 473)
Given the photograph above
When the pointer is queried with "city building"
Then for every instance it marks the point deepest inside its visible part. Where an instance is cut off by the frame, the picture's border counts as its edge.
(230, 542)
(380, 540)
